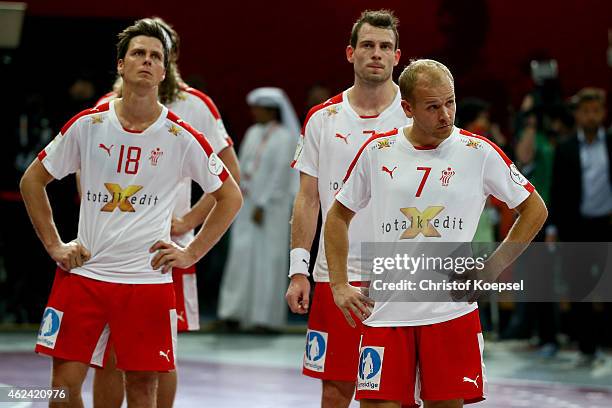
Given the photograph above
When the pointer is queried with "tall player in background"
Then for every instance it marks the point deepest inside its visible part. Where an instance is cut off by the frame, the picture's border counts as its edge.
(197, 109)
(113, 282)
(331, 136)
(412, 350)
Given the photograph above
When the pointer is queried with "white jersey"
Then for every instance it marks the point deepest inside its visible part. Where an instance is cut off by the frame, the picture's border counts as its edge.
(128, 186)
(428, 195)
(199, 110)
(331, 137)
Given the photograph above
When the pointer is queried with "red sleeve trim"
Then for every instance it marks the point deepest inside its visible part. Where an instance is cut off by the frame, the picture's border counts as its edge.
(331, 101)
(529, 187)
(493, 145)
(374, 137)
(91, 111)
(199, 137)
(204, 98)
(41, 156)
(107, 97)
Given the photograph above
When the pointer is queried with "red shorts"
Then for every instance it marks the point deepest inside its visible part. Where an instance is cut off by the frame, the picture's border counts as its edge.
(332, 346)
(186, 291)
(84, 314)
(435, 362)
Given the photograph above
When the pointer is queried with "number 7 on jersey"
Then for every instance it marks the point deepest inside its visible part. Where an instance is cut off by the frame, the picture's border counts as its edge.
(427, 170)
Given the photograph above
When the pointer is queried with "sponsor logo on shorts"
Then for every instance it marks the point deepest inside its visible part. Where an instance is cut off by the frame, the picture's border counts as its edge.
(49, 328)
(165, 355)
(370, 368)
(475, 381)
(316, 350)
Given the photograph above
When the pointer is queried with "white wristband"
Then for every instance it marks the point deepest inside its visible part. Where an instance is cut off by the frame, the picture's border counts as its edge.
(299, 260)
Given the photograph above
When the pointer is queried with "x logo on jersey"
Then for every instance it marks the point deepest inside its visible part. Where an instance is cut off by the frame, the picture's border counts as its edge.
(421, 221)
(120, 197)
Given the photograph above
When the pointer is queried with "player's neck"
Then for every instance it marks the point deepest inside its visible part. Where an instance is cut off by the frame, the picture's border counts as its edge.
(420, 139)
(371, 100)
(137, 111)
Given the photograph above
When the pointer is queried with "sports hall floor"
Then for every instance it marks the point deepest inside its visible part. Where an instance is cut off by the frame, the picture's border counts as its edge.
(236, 371)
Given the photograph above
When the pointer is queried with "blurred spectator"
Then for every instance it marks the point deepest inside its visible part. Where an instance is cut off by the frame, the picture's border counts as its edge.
(317, 93)
(581, 209)
(25, 288)
(473, 116)
(536, 138)
(253, 284)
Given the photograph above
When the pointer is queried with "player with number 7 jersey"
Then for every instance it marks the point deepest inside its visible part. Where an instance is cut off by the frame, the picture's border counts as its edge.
(429, 185)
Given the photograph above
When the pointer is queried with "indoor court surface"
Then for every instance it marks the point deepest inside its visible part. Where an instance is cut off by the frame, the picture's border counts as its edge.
(247, 371)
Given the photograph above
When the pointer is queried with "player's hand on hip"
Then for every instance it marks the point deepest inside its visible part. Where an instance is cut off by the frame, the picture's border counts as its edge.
(70, 255)
(178, 227)
(298, 294)
(171, 255)
(350, 299)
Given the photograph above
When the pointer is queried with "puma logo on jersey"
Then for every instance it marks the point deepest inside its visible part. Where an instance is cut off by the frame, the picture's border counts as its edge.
(386, 170)
(466, 379)
(345, 138)
(107, 149)
(166, 354)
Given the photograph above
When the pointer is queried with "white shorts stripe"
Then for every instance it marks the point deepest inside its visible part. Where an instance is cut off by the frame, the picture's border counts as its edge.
(190, 295)
(97, 357)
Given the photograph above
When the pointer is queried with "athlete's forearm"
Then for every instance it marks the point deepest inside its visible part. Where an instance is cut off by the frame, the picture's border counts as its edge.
(200, 211)
(305, 213)
(336, 240)
(304, 220)
(228, 203)
(35, 197)
(532, 215)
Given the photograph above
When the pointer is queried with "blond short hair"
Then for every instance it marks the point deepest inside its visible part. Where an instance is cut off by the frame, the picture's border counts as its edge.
(434, 71)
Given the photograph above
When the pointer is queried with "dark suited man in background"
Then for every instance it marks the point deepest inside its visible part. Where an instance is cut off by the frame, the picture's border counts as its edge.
(581, 211)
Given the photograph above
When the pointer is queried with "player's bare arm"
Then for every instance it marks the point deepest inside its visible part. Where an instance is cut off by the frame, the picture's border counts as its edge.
(532, 215)
(346, 297)
(228, 201)
(303, 229)
(35, 179)
(198, 213)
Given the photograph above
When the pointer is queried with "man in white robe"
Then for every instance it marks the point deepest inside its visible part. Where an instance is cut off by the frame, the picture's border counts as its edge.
(252, 288)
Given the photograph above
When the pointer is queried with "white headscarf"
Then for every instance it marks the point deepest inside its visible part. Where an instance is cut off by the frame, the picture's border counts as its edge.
(269, 97)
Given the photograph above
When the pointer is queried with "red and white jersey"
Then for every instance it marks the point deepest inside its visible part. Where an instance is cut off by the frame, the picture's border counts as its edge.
(428, 195)
(331, 137)
(128, 186)
(199, 110)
